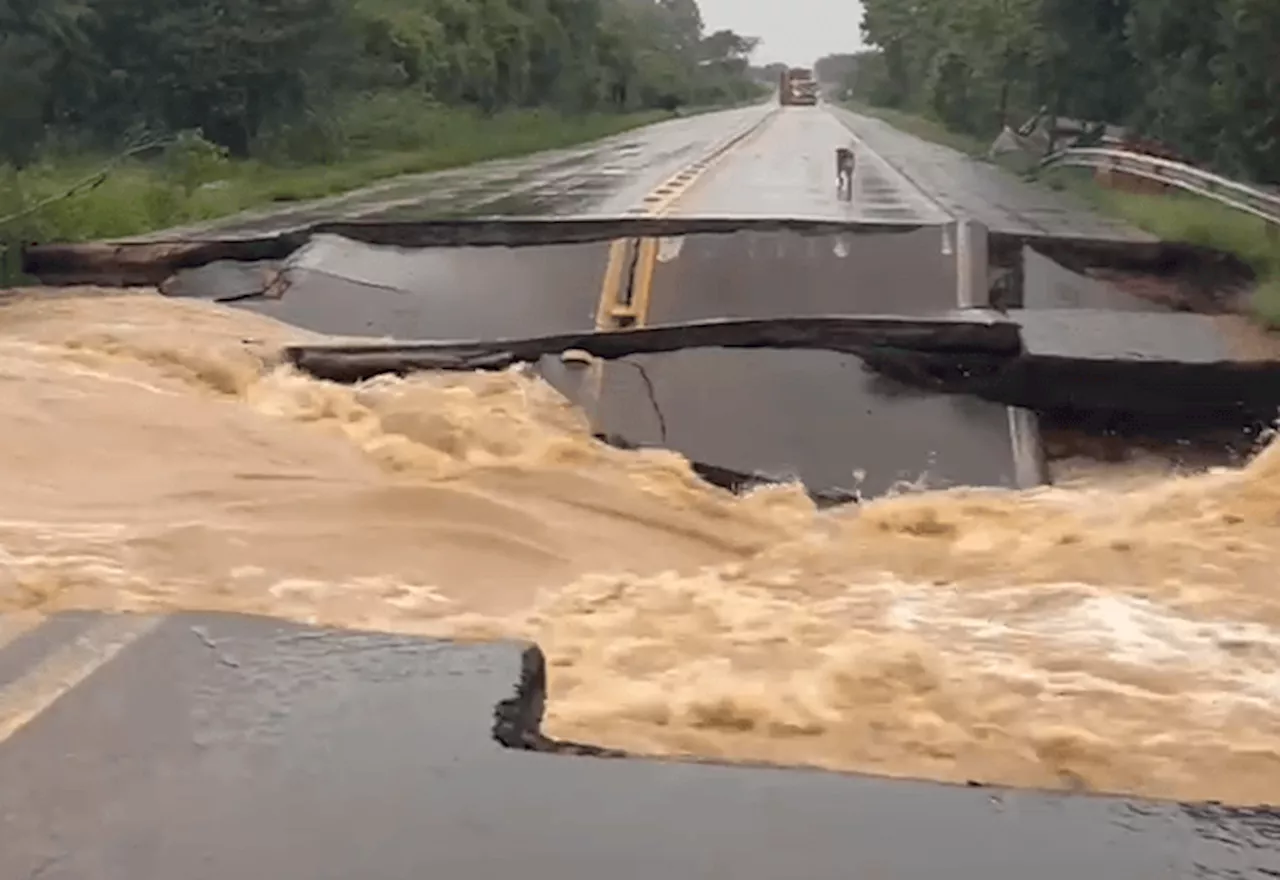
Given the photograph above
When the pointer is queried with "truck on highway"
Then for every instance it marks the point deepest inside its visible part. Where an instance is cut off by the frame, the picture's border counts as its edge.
(797, 86)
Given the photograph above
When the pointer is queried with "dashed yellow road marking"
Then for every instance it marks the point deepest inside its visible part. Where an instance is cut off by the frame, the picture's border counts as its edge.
(612, 312)
(22, 701)
(664, 198)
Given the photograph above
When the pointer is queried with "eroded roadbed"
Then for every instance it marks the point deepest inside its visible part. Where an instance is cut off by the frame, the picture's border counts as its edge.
(1147, 364)
(151, 261)
(770, 415)
(725, 394)
(227, 746)
(750, 414)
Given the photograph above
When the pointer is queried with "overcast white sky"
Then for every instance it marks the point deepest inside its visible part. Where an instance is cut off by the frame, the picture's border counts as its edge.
(795, 31)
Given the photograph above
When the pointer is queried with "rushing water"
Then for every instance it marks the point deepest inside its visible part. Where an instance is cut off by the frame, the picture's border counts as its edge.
(1117, 637)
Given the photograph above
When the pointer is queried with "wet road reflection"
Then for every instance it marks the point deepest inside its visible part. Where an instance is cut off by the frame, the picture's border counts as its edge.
(605, 177)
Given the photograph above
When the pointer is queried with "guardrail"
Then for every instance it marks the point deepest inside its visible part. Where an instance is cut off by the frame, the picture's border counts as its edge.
(1241, 196)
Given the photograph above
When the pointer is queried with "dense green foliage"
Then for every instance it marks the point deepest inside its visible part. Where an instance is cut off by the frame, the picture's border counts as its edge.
(206, 107)
(267, 76)
(1200, 75)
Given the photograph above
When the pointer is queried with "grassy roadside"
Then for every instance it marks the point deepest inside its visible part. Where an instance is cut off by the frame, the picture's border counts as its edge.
(192, 182)
(925, 129)
(1188, 218)
(1178, 217)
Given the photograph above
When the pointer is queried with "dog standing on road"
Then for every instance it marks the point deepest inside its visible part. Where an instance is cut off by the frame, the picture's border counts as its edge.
(845, 161)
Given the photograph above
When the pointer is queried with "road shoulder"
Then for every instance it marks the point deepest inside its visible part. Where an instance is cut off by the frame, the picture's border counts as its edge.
(965, 187)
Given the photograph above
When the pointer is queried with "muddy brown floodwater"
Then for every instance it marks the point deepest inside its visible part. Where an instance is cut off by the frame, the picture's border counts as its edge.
(1116, 638)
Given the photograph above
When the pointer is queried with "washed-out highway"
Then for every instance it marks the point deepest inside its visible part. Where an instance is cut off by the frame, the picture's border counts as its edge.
(272, 705)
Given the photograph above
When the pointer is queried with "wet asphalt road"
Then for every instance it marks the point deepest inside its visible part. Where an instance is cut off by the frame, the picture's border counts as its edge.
(605, 177)
(341, 287)
(214, 747)
(239, 747)
(981, 191)
(811, 415)
(789, 171)
(817, 416)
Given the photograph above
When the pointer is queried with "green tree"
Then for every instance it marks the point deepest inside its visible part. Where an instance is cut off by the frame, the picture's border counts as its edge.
(1200, 76)
(239, 71)
(1246, 93)
(39, 42)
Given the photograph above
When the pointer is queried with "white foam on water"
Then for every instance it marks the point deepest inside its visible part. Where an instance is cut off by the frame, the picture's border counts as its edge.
(1120, 636)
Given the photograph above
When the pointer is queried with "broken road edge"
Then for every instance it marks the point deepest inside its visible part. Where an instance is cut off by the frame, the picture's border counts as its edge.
(518, 725)
(978, 353)
(517, 720)
(150, 260)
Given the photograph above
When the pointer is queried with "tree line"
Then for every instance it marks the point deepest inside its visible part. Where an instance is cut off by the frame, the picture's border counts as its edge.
(96, 74)
(1200, 75)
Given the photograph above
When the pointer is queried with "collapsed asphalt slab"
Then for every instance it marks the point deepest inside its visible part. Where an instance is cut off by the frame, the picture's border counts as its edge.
(961, 337)
(1157, 366)
(840, 417)
(759, 273)
(796, 415)
(804, 413)
(337, 287)
(230, 746)
(747, 416)
(149, 262)
(1143, 363)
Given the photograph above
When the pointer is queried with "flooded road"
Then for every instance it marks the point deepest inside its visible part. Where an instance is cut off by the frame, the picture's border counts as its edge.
(814, 416)
(1104, 638)
(1115, 639)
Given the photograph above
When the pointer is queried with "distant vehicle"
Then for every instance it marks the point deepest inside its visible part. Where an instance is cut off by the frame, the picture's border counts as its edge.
(797, 86)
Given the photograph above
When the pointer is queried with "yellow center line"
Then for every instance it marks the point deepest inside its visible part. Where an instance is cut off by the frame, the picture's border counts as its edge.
(642, 281)
(674, 190)
(612, 282)
(611, 312)
(22, 701)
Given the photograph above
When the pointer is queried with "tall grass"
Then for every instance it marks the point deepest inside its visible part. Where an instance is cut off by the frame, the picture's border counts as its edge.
(1184, 217)
(374, 137)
